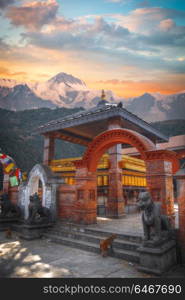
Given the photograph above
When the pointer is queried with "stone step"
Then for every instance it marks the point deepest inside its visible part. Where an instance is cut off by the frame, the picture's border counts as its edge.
(117, 243)
(125, 236)
(97, 231)
(131, 256)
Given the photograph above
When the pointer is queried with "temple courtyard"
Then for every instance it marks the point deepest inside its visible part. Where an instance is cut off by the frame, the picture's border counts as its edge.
(44, 259)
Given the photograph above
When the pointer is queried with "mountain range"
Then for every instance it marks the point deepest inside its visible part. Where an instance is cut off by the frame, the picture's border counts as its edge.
(64, 90)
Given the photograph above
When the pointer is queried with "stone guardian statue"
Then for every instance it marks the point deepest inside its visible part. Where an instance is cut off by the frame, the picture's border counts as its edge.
(155, 225)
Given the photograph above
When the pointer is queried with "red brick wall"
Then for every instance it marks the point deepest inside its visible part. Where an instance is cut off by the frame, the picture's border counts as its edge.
(85, 206)
(66, 196)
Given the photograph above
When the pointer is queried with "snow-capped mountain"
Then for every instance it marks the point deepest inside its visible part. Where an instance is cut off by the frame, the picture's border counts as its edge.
(68, 91)
(8, 83)
(21, 97)
(157, 107)
(64, 90)
(69, 80)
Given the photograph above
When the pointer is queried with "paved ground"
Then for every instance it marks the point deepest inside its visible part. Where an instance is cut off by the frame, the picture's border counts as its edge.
(41, 258)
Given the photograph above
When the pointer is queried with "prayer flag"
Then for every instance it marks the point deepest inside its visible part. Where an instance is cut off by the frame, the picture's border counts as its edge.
(9, 167)
(14, 181)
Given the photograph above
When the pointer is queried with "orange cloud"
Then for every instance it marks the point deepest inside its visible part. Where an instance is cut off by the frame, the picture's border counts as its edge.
(4, 72)
(31, 63)
(167, 24)
(33, 15)
(129, 88)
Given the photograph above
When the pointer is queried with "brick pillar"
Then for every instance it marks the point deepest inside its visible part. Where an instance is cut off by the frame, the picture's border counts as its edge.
(160, 183)
(181, 214)
(66, 196)
(49, 149)
(85, 205)
(6, 183)
(115, 203)
(14, 194)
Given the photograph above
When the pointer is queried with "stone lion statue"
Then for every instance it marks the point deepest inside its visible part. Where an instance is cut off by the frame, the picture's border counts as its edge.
(38, 214)
(155, 225)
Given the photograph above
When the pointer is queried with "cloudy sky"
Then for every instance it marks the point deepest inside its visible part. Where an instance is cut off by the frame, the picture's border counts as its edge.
(129, 46)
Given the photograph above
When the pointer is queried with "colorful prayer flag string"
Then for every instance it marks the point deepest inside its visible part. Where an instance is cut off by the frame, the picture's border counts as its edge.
(10, 168)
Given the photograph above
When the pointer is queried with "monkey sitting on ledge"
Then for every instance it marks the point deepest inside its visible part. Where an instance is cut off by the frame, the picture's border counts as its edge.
(8, 233)
(104, 245)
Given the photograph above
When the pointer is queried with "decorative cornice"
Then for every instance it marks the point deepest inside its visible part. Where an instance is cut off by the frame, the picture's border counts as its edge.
(166, 155)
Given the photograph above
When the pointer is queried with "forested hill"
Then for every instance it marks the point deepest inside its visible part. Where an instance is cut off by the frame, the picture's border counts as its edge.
(17, 138)
(171, 127)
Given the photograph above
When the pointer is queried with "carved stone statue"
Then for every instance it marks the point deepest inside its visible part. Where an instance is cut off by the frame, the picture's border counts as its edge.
(8, 209)
(155, 225)
(38, 214)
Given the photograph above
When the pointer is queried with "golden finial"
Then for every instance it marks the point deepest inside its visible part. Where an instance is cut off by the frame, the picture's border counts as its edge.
(103, 96)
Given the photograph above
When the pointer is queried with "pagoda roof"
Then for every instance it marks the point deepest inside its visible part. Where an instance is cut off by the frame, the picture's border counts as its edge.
(83, 126)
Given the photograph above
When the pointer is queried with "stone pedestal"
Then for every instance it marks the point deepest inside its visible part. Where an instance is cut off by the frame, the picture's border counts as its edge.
(157, 259)
(32, 232)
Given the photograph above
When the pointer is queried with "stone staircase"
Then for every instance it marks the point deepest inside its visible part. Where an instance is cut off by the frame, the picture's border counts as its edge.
(88, 238)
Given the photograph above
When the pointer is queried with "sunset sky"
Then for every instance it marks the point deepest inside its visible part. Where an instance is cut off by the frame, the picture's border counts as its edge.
(128, 46)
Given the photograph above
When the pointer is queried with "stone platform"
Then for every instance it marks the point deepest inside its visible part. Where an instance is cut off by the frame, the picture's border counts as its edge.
(6, 223)
(130, 224)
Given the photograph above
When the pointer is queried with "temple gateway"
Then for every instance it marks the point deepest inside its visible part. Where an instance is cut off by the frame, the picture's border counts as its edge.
(107, 129)
(124, 156)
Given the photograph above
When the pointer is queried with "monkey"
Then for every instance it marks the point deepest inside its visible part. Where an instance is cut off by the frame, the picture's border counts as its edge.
(104, 245)
(8, 233)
